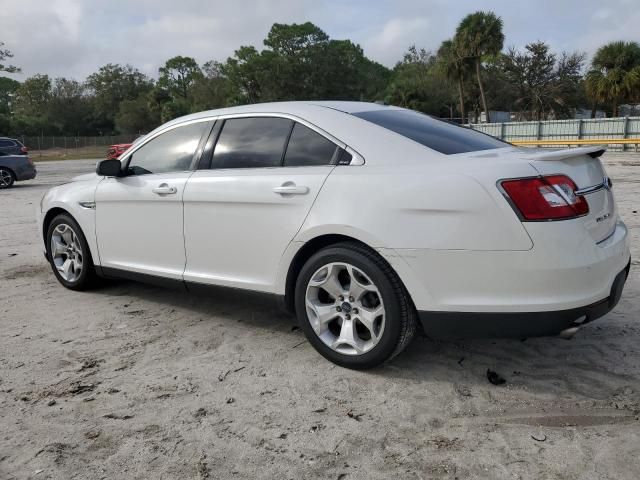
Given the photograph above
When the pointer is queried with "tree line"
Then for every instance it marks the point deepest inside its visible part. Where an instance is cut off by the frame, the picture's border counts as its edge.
(469, 73)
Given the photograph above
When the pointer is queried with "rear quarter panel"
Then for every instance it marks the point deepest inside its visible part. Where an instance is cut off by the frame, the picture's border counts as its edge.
(418, 204)
(438, 204)
(16, 163)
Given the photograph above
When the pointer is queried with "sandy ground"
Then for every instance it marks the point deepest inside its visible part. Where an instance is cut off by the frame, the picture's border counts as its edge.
(133, 381)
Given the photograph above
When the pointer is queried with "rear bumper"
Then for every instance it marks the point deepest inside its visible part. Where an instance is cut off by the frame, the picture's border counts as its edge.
(562, 272)
(520, 324)
(26, 173)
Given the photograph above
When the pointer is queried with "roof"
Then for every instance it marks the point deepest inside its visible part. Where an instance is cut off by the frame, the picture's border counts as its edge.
(350, 107)
(297, 107)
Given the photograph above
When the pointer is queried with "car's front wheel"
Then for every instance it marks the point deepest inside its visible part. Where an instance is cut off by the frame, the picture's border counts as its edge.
(69, 254)
(353, 307)
(6, 178)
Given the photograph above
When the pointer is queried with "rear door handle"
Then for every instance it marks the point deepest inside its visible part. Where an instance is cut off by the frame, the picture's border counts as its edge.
(291, 189)
(164, 189)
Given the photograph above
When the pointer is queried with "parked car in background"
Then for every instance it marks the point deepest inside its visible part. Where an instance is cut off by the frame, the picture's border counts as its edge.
(366, 220)
(118, 149)
(11, 146)
(15, 168)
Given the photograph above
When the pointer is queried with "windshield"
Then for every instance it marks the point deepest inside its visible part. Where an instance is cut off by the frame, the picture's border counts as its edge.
(438, 135)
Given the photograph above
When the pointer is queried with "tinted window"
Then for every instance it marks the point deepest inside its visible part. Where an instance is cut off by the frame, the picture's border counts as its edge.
(307, 147)
(169, 152)
(251, 143)
(345, 158)
(7, 143)
(442, 136)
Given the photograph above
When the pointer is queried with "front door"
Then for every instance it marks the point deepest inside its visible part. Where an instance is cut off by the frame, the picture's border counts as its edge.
(139, 216)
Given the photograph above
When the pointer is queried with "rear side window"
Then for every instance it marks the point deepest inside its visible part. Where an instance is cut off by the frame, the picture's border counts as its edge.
(308, 148)
(438, 135)
(7, 143)
(251, 142)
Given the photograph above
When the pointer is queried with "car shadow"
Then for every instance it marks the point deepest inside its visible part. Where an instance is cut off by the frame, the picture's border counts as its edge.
(591, 365)
(26, 186)
(262, 311)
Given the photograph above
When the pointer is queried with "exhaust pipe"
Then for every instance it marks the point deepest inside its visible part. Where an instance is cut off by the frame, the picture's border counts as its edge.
(568, 333)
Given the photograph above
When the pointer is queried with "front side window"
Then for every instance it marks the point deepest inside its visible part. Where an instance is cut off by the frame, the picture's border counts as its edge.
(308, 148)
(168, 152)
(438, 135)
(251, 142)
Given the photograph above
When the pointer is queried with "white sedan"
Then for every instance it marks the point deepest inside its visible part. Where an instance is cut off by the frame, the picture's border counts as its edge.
(368, 221)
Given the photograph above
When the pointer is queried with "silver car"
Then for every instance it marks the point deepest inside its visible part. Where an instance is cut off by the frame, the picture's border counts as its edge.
(15, 168)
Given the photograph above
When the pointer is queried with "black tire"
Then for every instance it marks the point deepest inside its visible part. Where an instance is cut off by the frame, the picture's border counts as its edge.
(400, 314)
(7, 178)
(88, 278)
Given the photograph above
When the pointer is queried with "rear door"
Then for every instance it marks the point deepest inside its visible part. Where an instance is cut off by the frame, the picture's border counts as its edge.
(244, 207)
(584, 167)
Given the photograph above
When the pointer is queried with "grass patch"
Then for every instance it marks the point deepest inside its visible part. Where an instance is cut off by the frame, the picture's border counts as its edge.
(68, 154)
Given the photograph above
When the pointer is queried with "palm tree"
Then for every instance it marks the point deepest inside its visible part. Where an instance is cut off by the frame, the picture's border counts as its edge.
(480, 35)
(615, 74)
(455, 68)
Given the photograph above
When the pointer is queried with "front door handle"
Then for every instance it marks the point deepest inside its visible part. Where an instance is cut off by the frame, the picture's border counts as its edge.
(164, 189)
(291, 188)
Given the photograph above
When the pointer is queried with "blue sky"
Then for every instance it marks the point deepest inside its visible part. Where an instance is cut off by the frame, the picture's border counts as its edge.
(73, 38)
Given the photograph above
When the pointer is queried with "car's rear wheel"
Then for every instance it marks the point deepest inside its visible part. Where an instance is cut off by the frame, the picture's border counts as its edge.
(69, 254)
(6, 178)
(353, 307)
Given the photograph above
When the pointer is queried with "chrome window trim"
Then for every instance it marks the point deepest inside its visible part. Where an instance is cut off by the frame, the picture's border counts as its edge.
(357, 158)
(288, 116)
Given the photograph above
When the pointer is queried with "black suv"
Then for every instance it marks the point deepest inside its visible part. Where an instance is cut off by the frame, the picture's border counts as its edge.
(11, 146)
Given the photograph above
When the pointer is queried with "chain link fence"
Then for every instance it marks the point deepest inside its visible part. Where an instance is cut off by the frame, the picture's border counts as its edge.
(71, 147)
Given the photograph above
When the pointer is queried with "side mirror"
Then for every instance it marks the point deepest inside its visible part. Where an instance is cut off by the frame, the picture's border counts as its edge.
(109, 168)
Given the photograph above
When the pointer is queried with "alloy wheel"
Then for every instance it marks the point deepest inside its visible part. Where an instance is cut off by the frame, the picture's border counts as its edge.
(345, 308)
(66, 252)
(6, 179)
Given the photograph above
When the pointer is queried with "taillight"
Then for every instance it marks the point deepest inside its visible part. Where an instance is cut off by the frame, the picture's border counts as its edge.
(24, 149)
(545, 198)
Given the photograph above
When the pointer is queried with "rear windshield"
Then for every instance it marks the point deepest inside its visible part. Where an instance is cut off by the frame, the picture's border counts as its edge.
(438, 135)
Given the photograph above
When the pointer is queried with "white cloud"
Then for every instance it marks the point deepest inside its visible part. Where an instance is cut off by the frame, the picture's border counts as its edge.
(396, 35)
(69, 13)
(75, 37)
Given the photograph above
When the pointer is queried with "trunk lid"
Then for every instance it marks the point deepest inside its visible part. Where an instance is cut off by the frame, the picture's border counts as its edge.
(584, 167)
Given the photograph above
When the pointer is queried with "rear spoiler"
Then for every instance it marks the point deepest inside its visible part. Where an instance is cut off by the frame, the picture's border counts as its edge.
(562, 154)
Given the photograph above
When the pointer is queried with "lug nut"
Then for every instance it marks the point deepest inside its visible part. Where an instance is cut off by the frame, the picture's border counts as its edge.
(341, 298)
(339, 308)
(351, 299)
(347, 316)
(355, 311)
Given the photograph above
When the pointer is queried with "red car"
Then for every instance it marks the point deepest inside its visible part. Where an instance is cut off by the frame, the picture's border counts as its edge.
(115, 151)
